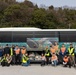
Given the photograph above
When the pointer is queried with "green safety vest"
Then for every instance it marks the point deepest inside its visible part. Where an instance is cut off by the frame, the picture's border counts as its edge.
(71, 51)
(3, 59)
(24, 59)
(11, 51)
(47, 54)
(46, 50)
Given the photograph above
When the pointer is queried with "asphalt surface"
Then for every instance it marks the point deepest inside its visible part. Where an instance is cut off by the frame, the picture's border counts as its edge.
(37, 70)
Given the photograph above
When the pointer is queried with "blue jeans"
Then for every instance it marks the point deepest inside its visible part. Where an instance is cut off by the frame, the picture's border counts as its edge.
(55, 62)
(26, 64)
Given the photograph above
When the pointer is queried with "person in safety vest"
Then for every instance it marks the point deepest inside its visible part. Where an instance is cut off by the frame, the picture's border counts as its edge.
(56, 46)
(12, 54)
(23, 50)
(71, 52)
(17, 56)
(47, 55)
(63, 50)
(66, 61)
(3, 60)
(62, 53)
(8, 59)
(54, 59)
(52, 50)
(25, 60)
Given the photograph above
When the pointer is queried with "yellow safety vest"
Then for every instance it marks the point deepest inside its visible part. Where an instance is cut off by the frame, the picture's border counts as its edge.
(70, 51)
(3, 59)
(46, 50)
(47, 54)
(24, 60)
(11, 51)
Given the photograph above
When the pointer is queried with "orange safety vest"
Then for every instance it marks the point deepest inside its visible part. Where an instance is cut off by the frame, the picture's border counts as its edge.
(56, 47)
(52, 50)
(63, 49)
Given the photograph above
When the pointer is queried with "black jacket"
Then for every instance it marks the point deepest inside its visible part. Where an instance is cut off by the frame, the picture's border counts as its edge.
(6, 50)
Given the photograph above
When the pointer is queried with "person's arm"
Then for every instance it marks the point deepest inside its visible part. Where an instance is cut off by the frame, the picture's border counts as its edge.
(9, 51)
(58, 51)
(73, 51)
(9, 60)
(4, 51)
(2, 59)
(67, 50)
(13, 52)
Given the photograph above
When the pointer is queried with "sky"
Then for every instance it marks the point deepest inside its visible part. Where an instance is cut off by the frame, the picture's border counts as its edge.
(55, 3)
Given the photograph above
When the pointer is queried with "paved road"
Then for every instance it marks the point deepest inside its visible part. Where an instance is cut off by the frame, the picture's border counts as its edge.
(37, 70)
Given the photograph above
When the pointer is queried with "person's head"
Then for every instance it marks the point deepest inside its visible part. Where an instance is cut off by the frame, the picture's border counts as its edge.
(52, 46)
(13, 46)
(42, 54)
(6, 45)
(63, 45)
(71, 45)
(23, 46)
(16, 46)
(46, 47)
(56, 43)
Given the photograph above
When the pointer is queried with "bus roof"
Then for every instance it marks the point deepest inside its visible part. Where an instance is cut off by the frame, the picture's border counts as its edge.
(32, 29)
(20, 29)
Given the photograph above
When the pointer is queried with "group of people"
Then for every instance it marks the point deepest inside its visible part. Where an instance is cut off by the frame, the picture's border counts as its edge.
(14, 56)
(57, 55)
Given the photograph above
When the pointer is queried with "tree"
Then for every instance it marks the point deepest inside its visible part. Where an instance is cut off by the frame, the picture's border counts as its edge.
(38, 18)
(28, 14)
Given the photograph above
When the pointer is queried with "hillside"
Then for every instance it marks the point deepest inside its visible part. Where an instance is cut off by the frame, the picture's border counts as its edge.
(27, 14)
